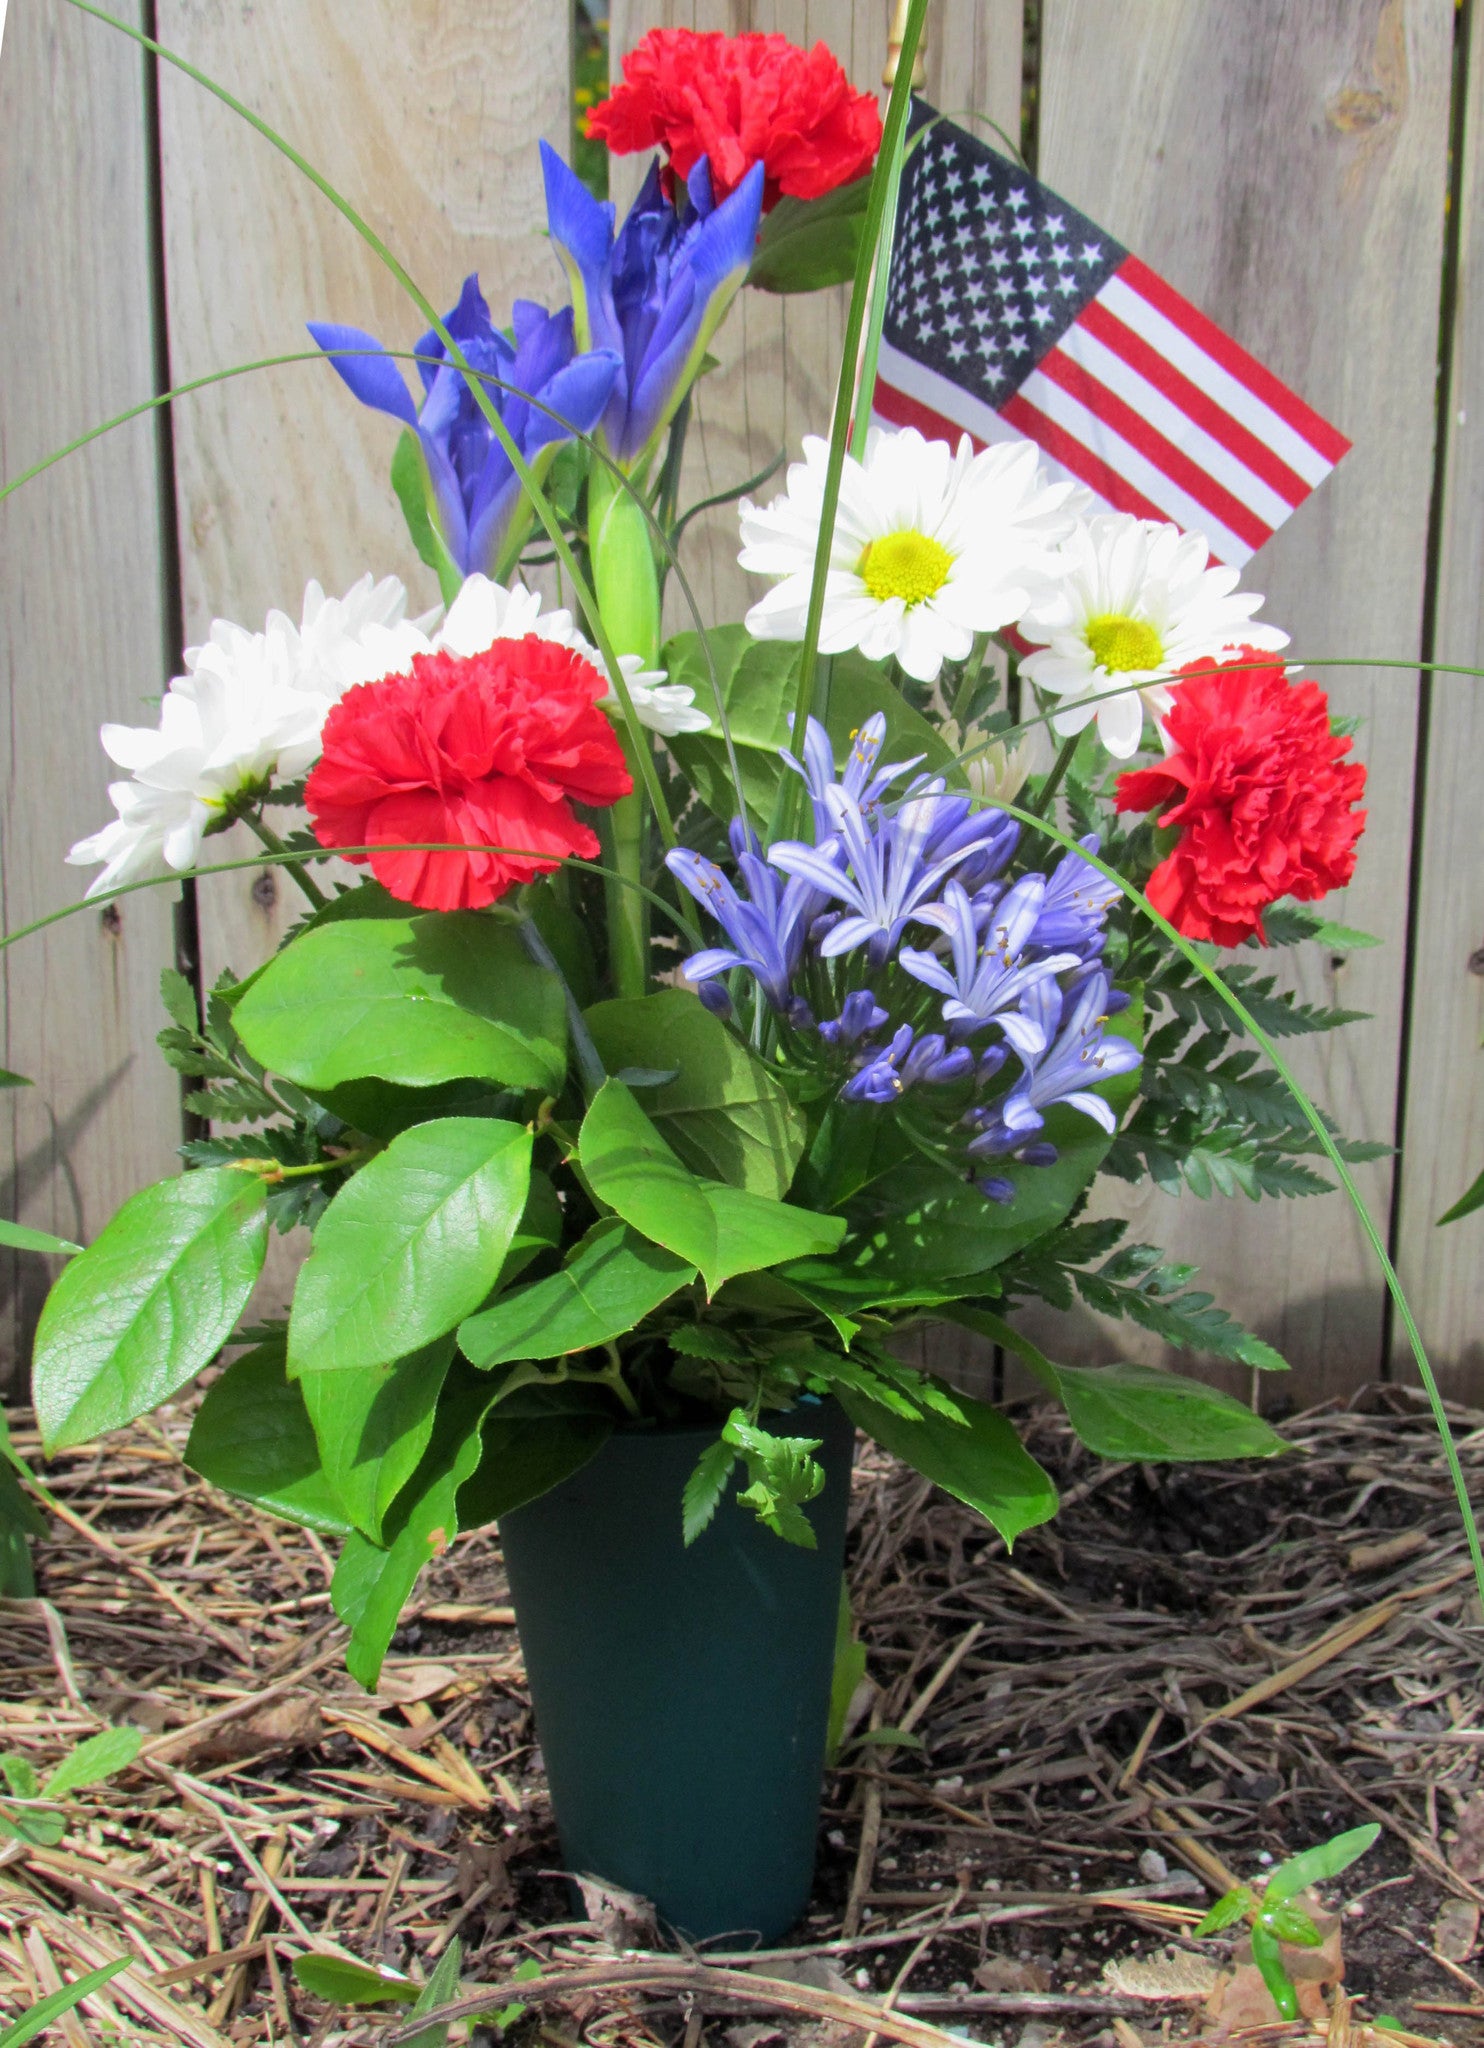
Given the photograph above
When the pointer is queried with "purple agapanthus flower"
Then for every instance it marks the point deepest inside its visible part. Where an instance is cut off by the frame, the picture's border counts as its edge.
(1077, 902)
(476, 497)
(887, 1075)
(861, 779)
(655, 293)
(766, 927)
(1077, 1055)
(988, 980)
(860, 1016)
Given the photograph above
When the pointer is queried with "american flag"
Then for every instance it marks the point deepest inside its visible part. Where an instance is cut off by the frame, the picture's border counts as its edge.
(1012, 315)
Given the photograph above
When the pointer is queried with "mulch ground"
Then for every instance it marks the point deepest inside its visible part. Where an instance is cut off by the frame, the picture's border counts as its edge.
(1188, 1676)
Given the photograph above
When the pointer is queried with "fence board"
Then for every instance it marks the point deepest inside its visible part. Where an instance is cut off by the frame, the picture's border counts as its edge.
(426, 118)
(1444, 1122)
(1284, 164)
(81, 634)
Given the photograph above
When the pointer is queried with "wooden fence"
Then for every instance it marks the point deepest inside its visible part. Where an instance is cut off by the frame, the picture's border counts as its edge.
(1286, 163)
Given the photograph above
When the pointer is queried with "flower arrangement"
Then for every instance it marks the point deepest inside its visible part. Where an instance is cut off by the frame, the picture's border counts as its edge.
(676, 1022)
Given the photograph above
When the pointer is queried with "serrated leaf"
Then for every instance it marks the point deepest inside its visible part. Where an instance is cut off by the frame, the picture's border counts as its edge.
(1231, 1907)
(705, 1488)
(148, 1304)
(102, 1756)
(179, 999)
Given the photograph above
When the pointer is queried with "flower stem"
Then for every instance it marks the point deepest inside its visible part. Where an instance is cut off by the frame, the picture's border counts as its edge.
(588, 1060)
(1053, 782)
(270, 839)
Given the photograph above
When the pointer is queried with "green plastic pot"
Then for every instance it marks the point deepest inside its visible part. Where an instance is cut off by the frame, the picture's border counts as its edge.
(682, 1695)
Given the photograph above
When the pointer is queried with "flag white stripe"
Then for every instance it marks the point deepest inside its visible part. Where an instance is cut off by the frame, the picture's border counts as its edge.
(1131, 463)
(1235, 397)
(941, 395)
(1167, 418)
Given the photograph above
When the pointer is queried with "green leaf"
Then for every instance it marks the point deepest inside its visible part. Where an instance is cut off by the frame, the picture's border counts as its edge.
(758, 680)
(342, 1982)
(725, 1114)
(19, 1522)
(846, 1674)
(612, 1280)
(148, 1304)
(20, 1776)
(252, 1437)
(984, 1465)
(410, 481)
(179, 999)
(409, 1246)
(102, 1756)
(784, 1475)
(372, 1426)
(530, 1446)
(1466, 1204)
(1231, 1907)
(1291, 1924)
(1138, 1411)
(419, 1001)
(1318, 1865)
(442, 1988)
(809, 243)
(720, 1230)
(47, 2010)
(29, 1824)
(705, 1488)
(10, 1080)
(23, 1239)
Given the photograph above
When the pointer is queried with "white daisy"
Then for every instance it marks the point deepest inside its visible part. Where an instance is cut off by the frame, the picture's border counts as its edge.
(930, 547)
(250, 708)
(485, 611)
(1129, 599)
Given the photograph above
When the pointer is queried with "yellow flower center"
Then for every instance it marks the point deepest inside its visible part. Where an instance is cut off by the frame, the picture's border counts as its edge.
(1119, 644)
(907, 565)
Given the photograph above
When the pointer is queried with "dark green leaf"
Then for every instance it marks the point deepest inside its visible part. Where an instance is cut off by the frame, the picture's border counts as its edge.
(846, 1674)
(10, 1080)
(252, 1436)
(420, 1000)
(1466, 1204)
(373, 1425)
(411, 1245)
(806, 244)
(727, 1117)
(147, 1305)
(529, 1449)
(611, 1281)
(984, 1464)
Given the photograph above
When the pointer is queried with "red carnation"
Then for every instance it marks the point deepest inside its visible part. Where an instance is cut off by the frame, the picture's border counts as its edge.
(738, 100)
(489, 750)
(1259, 788)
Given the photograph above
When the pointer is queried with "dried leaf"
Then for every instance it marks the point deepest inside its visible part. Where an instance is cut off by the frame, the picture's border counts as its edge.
(1467, 1853)
(1456, 1929)
(413, 1682)
(1011, 1973)
(623, 1919)
(1175, 1974)
(292, 1723)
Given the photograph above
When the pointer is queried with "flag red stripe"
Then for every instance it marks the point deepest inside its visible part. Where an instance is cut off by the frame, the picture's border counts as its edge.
(1198, 405)
(1116, 490)
(905, 411)
(1222, 349)
(1166, 457)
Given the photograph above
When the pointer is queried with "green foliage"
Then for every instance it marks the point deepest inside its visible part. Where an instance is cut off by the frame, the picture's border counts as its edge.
(413, 488)
(725, 1113)
(849, 1669)
(372, 1426)
(416, 1000)
(19, 1521)
(46, 2011)
(1274, 1917)
(1467, 1203)
(782, 1474)
(343, 1982)
(148, 1304)
(1136, 1284)
(806, 244)
(611, 1281)
(29, 1815)
(978, 1458)
(22, 1238)
(718, 1229)
(411, 1245)
(252, 1437)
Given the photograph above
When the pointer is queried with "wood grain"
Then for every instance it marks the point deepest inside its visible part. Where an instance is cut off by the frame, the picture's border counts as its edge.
(1284, 165)
(82, 635)
(1443, 1270)
(425, 115)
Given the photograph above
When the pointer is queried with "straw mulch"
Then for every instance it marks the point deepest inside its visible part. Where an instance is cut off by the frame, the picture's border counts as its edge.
(1190, 1674)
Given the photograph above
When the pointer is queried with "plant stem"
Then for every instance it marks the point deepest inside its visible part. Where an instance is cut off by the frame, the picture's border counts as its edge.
(591, 1065)
(1053, 781)
(270, 839)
